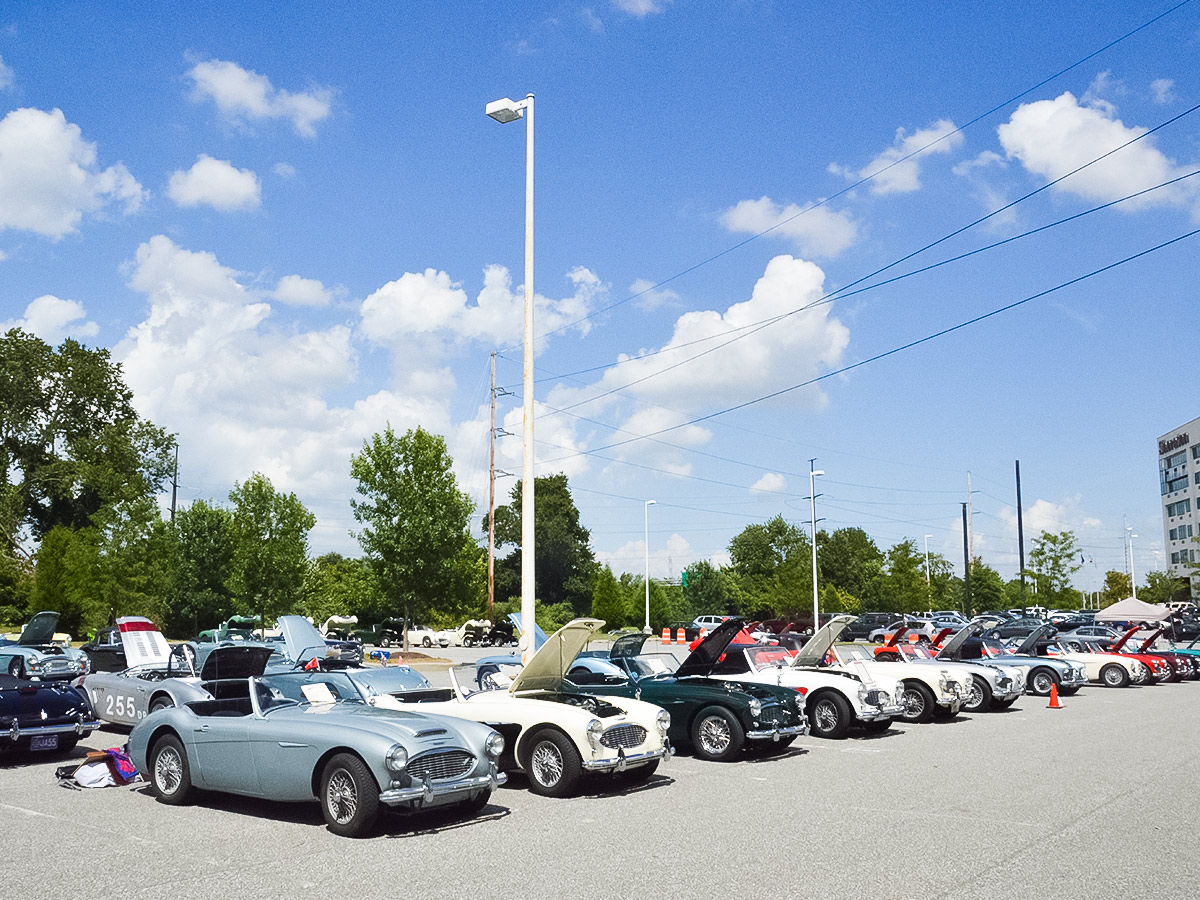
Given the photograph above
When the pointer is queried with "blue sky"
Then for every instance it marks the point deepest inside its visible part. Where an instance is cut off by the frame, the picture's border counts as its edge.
(295, 227)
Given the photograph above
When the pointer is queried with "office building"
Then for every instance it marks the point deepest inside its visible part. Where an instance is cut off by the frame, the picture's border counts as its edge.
(1179, 484)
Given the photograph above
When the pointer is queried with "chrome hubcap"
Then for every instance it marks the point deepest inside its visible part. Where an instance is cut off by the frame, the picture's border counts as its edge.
(1042, 682)
(1112, 676)
(914, 703)
(975, 698)
(714, 735)
(547, 764)
(341, 796)
(168, 770)
(825, 715)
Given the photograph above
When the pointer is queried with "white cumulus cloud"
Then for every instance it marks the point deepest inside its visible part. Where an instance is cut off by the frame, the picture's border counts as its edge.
(216, 183)
(297, 291)
(897, 170)
(1163, 90)
(243, 95)
(49, 177)
(771, 482)
(54, 319)
(816, 231)
(641, 8)
(1051, 138)
(6, 75)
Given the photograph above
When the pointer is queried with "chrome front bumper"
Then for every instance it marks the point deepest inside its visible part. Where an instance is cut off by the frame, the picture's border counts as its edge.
(775, 733)
(427, 792)
(16, 732)
(871, 713)
(624, 760)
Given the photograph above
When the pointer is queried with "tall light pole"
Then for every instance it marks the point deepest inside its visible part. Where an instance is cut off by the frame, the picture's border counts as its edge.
(928, 583)
(1132, 575)
(812, 496)
(507, 110)
(649, 503)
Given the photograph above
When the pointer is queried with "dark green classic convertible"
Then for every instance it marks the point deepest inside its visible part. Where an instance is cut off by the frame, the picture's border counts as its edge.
(717, 719)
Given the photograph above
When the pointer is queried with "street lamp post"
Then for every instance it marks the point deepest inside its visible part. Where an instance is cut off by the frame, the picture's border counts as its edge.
(812, 496)
(649, 503)
(506, 110)
(1132, 574)
(928, 583)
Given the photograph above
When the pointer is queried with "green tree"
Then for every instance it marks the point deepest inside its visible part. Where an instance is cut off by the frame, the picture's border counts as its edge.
(901, 586)
(1117, 586)
(270, 548)
(336, 585)
(1163, 588)
(202, 570)
(987, 588)
(1053, 560)
(70, 578)
(416, 525)
(709, 591)
(772, 565)
(71, 442)
(564, 564)
(607, 603)
(849, 560)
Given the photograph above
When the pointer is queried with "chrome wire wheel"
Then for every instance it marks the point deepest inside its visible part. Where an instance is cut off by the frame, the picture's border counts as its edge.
(714, 735)
(341, 796)
(1042, 682)
(975, 698)
(168, 771)
(547, 763)
(825, 714)
(914, 703)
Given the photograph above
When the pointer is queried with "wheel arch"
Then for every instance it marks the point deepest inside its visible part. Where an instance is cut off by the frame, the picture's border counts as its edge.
(324, 759)
(527, 735)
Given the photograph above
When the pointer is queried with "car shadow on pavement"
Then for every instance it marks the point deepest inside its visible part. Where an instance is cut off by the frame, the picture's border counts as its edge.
(767, 757)
(394, 824)
(893, 730)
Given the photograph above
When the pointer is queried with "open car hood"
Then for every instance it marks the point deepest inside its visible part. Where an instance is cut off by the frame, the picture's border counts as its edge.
(1150, 640)
(628, 646)
(143, 642)
(952, 649)
(539, 636)
(334, 621)
(1028, 647)
(235, 661)
(1119, 645)
(300, 636)
(707, 653)
(814, 650)
(547, 667)
(40, 630)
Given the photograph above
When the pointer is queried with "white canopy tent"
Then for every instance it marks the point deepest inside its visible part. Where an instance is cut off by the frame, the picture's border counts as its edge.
(1133, 610)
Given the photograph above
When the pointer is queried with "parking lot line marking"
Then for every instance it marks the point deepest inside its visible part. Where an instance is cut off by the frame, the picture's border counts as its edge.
(28, 812)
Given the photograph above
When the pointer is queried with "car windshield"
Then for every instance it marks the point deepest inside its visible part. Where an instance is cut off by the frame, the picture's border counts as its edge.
(996, 648)
(647, 665)
(916, 651)
(486, 675)
(302, 688)
(767, 657)
(851, 652)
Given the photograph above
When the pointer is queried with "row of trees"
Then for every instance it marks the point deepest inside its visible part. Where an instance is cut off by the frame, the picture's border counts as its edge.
(82, 472)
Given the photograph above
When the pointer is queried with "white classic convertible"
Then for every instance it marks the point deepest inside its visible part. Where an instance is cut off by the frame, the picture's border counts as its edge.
(551, 736)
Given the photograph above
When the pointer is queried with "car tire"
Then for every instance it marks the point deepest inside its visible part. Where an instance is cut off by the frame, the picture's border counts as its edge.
(980, 697)
(161, 703)
(67, 742)
(717, 734)
(552, 763)
(170, 774)
(918, 703)
(349, 796)
(426, 642)
(15, 666)
(1070, 691)
(829, 715)
(1004, 704)
(1040, 682)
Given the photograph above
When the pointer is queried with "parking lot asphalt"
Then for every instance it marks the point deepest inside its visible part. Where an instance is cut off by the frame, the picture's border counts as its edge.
(1091, 801)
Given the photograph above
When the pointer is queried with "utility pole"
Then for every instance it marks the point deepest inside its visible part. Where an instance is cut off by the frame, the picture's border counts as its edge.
(175, 483)
(971, 519)
(492, 501)
(1020, 534)
(966, 565)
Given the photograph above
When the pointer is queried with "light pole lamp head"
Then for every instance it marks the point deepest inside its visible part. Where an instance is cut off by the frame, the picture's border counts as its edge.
(816, 472)
(505, 110)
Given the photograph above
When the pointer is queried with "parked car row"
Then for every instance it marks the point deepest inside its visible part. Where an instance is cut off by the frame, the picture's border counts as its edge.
(294, 721)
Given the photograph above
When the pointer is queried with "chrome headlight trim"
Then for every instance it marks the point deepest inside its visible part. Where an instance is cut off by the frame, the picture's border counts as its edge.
(494, 745)
(396, 759)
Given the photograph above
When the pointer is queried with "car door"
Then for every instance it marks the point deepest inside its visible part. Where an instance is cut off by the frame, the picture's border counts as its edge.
(223, 753)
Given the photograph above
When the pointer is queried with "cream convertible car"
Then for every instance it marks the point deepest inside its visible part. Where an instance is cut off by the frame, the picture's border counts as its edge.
(551, 736)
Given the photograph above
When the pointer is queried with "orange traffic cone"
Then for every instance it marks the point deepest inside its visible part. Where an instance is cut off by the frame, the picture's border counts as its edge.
(1054, 701)
(666, 635)
(680, 636)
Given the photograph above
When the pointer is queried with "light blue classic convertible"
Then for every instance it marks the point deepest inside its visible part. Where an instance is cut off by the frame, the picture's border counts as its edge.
(308, 735)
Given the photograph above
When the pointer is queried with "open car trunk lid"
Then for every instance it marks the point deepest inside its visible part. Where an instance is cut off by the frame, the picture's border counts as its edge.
(235, 661)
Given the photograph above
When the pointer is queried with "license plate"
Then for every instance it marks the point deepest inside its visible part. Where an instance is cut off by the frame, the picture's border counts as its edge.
(44, 742)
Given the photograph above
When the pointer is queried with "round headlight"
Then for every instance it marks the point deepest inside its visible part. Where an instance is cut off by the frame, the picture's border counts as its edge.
(755, 707)
(494, 745)
(397, 758)
(594, 730)
(664, 721)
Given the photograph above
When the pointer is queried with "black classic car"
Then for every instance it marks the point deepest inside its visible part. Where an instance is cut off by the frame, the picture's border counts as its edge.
(717, 719)
(46, 715)
(106, 651)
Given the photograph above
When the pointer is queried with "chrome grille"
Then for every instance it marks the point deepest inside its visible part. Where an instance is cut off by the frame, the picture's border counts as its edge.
(441, 764)
(877, 698)
(1004, 682)
(623, 736)
(771, 714)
